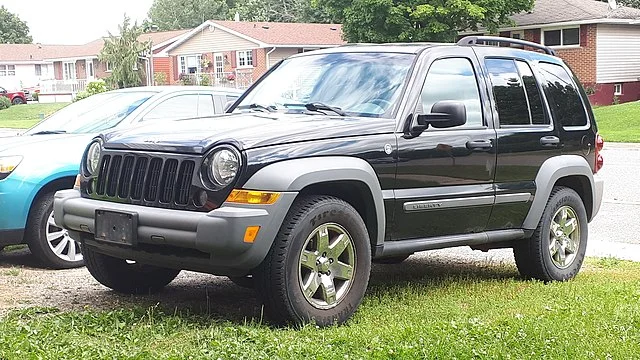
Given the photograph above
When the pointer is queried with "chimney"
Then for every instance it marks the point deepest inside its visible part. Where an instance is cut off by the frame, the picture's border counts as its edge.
(613, 5)
(236, 17)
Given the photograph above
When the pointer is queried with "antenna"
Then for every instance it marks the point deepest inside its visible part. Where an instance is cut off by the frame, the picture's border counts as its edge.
(236, 17)
(613, 4)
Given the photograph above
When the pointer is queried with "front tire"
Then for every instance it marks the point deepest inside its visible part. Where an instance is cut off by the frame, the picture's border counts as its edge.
(50, 244)
(558, 246)
(126, 277)
(18, 101)
(319, 264)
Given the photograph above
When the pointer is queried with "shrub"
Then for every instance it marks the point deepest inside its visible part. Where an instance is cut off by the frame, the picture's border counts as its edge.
(160, 78)
(35, 96)
(81, 95)
(96, 87)
(205, 80)
(5, 103)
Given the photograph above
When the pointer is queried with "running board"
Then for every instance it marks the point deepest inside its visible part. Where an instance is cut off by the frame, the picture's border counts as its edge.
(401, 247)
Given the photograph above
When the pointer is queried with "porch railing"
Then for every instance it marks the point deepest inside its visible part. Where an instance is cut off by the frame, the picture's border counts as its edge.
(236, 80)
(63, 86)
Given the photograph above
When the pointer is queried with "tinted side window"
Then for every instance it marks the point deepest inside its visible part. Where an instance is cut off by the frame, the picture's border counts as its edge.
(533, 94)
(508, 91)
(453, 79)
(205, 105)
(563, 97)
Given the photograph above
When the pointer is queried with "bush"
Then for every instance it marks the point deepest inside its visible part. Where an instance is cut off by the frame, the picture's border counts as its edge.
(96, 87)
(5, 103)
(81, 95)
(205, 80)
(35, 96)
(160, 78)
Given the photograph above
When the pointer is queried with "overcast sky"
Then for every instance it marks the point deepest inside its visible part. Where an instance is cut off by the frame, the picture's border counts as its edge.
(75, 21)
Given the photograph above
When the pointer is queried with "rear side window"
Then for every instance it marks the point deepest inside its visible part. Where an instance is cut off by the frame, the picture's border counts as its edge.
(564, 99)
(517, 96)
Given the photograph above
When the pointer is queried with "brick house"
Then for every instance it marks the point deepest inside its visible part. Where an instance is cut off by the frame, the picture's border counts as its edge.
(66, 69)
(223, 52)
(600, 41)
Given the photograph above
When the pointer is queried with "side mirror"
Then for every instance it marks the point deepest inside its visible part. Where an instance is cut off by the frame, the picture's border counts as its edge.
(228, 105)
(444, 114)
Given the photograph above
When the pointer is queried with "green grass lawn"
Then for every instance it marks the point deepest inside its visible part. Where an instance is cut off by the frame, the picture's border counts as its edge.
(619, 123)
(447, 313)
(25, 116)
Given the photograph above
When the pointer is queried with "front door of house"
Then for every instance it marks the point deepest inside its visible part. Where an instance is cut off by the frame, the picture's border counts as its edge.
(89, 69)
(219, 67)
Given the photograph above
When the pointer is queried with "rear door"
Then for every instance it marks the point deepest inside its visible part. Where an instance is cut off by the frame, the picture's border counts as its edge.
(444, 182)
(526, 136)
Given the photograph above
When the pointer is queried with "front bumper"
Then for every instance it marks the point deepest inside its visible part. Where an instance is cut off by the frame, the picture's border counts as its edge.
(210, 242)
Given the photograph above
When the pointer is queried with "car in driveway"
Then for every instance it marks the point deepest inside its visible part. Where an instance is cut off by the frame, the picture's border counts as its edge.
(344, 156)
(46, 158)
(16, 97)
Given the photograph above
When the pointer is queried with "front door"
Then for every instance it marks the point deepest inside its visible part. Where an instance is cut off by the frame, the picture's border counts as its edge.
(90, 70)
(218, 60)
(444, 182)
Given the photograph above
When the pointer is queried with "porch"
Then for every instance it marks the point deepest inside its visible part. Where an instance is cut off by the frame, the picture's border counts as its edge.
(232, 79)
(61, 90)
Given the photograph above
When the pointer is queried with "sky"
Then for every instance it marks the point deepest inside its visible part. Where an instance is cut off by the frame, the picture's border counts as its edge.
(75, 21)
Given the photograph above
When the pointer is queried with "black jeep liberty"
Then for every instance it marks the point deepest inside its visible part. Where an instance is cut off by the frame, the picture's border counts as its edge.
(340, 157)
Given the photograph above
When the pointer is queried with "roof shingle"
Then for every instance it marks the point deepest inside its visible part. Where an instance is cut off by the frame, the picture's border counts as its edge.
(558, 11)
(275, 33)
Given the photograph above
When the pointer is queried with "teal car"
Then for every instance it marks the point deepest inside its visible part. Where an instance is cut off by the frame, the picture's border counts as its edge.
(46, 158)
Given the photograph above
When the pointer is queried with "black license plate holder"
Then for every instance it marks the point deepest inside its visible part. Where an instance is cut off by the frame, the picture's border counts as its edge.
(118, 227)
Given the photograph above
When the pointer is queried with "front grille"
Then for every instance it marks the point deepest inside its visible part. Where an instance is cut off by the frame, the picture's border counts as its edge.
(163, 180)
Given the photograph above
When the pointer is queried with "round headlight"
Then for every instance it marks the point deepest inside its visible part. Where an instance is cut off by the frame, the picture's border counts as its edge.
(93, 158)
(224, 166)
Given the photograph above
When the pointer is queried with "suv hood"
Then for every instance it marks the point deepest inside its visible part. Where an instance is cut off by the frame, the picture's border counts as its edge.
(244, 130)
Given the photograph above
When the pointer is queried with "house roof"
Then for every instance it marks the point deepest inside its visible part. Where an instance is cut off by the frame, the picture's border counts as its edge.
(275, 33)
(561, 11)
(41, 52)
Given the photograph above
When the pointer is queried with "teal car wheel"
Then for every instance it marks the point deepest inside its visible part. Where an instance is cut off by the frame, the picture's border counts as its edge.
(49, 243)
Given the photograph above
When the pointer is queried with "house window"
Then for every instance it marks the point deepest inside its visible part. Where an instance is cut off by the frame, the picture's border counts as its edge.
(7, 70)
(90, 72)
(69, 70)
(617, 89)
(244, 58)
(517, 35)
(107, 67)
(562, 37)
(190, 64)
(38, 69)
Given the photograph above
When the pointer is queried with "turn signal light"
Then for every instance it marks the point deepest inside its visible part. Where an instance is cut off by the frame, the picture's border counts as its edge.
(253, 197)
(251, 233)
(76, 186)
(599, 158)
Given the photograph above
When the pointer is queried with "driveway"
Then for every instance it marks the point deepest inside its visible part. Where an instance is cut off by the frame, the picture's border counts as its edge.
(618, 220)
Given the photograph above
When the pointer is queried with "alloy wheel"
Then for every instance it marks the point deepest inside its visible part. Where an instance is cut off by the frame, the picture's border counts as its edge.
(564, 239)
(60, 243)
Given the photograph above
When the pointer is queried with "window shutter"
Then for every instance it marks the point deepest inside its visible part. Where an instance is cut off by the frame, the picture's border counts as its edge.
(176, 69)
(254, 57)
(234, 62)
(583, 35)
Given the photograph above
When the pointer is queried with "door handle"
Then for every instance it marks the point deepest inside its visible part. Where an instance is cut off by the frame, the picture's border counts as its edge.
(549, 141)
(479, 145)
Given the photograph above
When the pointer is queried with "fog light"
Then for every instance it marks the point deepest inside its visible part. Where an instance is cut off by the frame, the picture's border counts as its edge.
(252, 197)
(251, 233)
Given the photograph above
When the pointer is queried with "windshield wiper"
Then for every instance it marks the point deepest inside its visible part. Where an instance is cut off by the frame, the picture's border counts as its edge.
(270, 108)
(48, 132)
(320, 107)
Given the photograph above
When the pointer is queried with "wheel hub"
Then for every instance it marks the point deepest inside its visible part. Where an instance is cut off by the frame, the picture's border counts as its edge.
(324, 265)
(564, 239)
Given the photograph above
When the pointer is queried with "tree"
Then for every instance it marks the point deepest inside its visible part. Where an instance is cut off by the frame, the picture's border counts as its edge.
(12, 29)
(630, 3)
(281, 11)
(419, 20)
(185, 14)
(123, 53)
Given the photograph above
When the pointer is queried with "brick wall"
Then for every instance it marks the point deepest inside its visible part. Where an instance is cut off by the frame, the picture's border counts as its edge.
(581, 60)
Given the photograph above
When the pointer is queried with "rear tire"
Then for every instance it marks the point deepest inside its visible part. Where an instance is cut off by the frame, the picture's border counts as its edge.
(125, 277)
(558, 246)
(50, 244)
(319, 264)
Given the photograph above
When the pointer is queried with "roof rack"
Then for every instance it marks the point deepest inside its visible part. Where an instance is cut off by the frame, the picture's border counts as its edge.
(474, 40)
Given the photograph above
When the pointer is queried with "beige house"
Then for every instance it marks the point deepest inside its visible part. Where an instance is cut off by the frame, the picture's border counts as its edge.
(237, 53)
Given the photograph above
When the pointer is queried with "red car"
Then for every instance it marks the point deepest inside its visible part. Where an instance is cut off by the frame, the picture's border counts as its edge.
(16, 97)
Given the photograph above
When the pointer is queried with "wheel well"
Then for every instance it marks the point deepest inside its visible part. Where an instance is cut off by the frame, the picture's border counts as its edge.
(582, 186)
(357, 194)
(55, 185)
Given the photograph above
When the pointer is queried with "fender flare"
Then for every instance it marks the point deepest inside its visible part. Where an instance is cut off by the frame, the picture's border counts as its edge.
(294, 175)
(550, 172)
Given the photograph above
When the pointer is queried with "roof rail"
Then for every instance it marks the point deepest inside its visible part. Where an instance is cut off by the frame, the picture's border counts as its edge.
(474, 40)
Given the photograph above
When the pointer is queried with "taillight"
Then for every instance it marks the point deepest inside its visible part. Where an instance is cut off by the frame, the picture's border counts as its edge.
(599, 158)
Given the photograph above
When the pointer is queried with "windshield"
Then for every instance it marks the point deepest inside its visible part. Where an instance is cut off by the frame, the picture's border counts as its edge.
(355, 84)
(93, 114)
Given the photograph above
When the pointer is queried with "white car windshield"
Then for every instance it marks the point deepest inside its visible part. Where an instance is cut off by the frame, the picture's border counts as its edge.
(93, 114)
(353, 84)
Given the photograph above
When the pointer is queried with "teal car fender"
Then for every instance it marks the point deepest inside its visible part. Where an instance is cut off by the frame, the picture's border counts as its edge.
(46, 159)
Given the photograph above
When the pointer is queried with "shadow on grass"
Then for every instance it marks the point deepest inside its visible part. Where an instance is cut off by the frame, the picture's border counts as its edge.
(201, 297)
